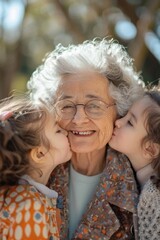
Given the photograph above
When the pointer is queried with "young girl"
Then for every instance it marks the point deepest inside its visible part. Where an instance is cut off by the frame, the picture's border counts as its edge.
(31, 146)
(137, 135)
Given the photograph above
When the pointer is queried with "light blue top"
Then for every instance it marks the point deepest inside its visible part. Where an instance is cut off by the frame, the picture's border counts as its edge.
(81, 191)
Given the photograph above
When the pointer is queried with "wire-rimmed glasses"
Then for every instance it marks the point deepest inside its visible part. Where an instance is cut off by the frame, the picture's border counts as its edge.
(95, 109)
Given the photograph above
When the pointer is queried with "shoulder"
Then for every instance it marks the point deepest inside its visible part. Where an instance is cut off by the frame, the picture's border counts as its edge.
(117, 163)
(24, 207)
(149, 211)
(19, 192)
(150, 194)
(15, 199)
(118, 181)
(149, 201)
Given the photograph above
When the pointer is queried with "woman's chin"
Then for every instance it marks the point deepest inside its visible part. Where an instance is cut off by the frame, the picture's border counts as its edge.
(85, 149)
(82, 148)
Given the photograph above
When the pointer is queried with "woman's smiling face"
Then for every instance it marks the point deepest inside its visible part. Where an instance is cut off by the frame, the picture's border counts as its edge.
(87, 134)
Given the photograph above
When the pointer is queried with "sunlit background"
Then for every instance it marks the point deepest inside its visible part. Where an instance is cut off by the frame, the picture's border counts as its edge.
(30, 29)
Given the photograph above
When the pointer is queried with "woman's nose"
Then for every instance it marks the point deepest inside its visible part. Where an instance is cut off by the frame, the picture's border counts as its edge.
(80, 116)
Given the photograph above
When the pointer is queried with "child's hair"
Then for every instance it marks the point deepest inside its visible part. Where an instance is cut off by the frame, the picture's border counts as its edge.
(19, 134)
(152, 124)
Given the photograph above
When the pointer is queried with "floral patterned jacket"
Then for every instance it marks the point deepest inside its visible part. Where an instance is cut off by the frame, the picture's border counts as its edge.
(110, 213)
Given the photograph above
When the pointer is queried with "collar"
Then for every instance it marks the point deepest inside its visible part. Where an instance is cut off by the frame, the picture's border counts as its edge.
(144, 174)
(39, 186)
(118, 185)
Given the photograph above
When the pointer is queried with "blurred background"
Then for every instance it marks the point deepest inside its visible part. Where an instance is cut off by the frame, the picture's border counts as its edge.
(30, 29)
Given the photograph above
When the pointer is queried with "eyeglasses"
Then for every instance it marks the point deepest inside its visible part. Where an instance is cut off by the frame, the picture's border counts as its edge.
(95, 109)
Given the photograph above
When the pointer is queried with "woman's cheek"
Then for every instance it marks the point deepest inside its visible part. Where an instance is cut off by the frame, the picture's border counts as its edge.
(63, 124)
(105, 135)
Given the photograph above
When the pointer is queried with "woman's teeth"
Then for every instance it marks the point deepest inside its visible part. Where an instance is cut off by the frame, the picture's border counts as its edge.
(82, 133)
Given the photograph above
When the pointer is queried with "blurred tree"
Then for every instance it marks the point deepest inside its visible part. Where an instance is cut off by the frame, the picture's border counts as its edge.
(30, 29)
(145, 23)
(10, 53)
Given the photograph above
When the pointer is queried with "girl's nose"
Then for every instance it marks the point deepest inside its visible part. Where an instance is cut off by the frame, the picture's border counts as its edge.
(118, 122)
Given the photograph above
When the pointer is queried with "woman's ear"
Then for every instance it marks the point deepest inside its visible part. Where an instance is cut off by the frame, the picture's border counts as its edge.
(37, 154)
(151, 149)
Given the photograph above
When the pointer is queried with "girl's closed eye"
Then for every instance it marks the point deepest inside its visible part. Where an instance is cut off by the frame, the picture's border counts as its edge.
(58, 131)
(130, 123)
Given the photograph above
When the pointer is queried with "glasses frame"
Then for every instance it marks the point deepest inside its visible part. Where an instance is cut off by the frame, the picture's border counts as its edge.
(84, 106)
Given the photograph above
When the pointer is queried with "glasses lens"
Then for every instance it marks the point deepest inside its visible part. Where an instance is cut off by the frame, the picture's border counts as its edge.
(95, 108)
(65, 109)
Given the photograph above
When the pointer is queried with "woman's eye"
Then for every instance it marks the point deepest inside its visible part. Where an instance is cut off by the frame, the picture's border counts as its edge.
(93, 106)
(67, 108)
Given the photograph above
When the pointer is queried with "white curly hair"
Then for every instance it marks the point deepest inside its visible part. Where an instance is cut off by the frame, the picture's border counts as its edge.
(104, 56)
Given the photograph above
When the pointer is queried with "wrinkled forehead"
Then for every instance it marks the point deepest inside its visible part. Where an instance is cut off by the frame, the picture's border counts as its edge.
(84, 85)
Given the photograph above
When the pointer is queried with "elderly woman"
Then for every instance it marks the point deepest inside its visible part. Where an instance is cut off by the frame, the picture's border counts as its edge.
(91, 84)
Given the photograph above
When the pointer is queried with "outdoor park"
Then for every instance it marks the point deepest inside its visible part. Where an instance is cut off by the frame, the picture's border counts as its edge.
(31, 29)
